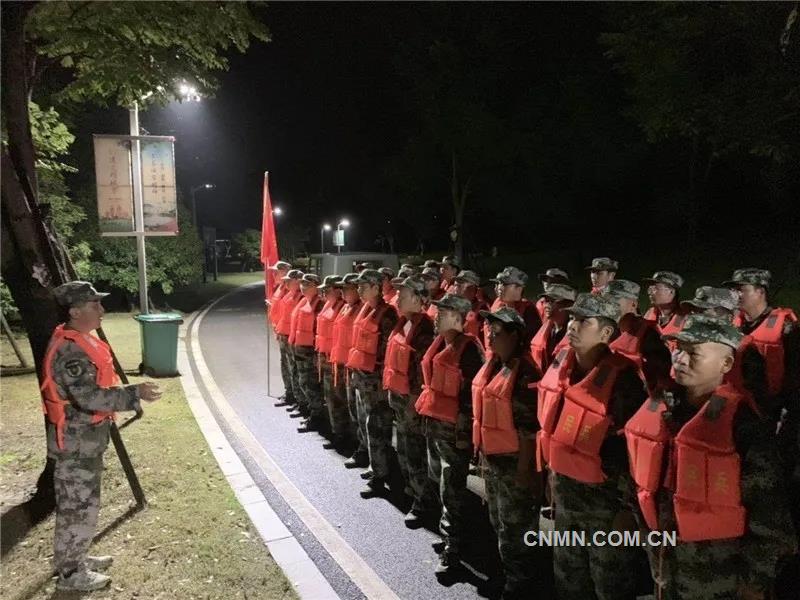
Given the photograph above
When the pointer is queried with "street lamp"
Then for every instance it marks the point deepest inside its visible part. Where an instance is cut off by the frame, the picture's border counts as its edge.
(205, 186)
(189, 92)
(325, 227)
(343, 223)
(277, 211)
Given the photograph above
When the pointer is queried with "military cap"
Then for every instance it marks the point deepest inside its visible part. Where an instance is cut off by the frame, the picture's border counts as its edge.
(430, 264)
(622, 288)
(470, 277)
(403, 273)
(669, 278)
(75, 293)
(504, 314)
(293, 274)
(409, 267)
(386, 271)
(281, 265)
(310, 278)
(348, 279)
(511, 275)
(591, 305)
(414, 283)
(699, 329)
(449, 261)
(370, 276)
(453, 302)
(431, 273)
(558, 292)
(331, 281)
(759, 277)
(554, 275)
(603, 263)
(710, 297)
(362, 265)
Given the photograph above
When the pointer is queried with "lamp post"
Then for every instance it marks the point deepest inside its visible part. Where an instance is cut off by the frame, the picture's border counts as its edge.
(325, 227)
(342, 224)
(205, 186)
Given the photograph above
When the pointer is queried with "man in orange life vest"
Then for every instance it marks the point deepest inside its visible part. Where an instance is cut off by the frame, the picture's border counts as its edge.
(283, 327)
(776, 334)
(549, 277)
(665, 310)
(702, 468)
(449, 269)
(467, 284)
(601, 271)
(433, 280)
(387, 290)
(371, 331)
(445, 404)
(81, 393)
(402, 378)
(273, 305)
(639, 339)
(504, 434)
(332, 392)
(551, 335)
(511, 283)
(585, 398)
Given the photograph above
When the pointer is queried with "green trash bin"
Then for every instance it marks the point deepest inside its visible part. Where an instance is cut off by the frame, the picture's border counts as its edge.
(159, 343)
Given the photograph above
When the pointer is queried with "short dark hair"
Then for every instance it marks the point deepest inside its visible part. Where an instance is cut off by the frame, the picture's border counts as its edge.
(607, 322)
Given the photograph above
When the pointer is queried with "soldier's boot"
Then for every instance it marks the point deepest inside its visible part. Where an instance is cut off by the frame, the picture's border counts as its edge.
(282, 401)
(359, 460)
(338, 441)
(415, 518)
(99, 563)
(449, 564)
(366, 474)
(376, 486)
(83, 580)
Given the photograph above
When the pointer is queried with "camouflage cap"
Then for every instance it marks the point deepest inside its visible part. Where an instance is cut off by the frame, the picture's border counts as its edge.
(453, 302)
(370, 276)
(281, 265)
(362, 265)
(558, 291)
(700, 329)
(470, 277)
(293, 274)
(75, 293)
(504, 314)
(414, 283)
(409, 267)
(330, 281)
(591, 305)
(511, 276)
(751, 276)
(388, 272)
(430, 264)
(603, 263)
(348, 279)
(312, 278)
(449, 261)
(710, 297)
(554, 275)
(622, 288)
(669, 278)
(430, 274)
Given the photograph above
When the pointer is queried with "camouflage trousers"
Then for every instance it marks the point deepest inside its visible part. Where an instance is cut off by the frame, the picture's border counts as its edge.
(77, 488)
(358, 414)
(513, 511)
(287, 365)
(373, 408)
(696, 570)
(309, 389)
(412, 451)
(454, 468)
(335, 398)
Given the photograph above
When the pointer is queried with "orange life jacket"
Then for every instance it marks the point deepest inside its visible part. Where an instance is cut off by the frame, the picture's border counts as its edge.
(323, 342)
(673, 326)
(575, 418)
(447, 287)
(540, 308)
(394, 303)
(541, 357)
(287, 304)
(275, 304)
(343, 332)
(768, 339)
(441, 374)
(493, 430)
(100, 356)
(366, 334)
(398, 355)
(304, 316)
(704, 469)
(389, 296)
(521, 306)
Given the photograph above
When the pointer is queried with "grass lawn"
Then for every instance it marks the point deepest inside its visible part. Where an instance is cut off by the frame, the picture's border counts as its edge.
(193, 541)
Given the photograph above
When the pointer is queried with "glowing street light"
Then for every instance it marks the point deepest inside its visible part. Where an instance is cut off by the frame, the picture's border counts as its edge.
(340, 234)
(277, 211)
(325, 227)
(189, 92)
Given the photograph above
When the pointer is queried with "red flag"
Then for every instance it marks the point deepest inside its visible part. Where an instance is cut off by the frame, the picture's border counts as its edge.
(269, 241)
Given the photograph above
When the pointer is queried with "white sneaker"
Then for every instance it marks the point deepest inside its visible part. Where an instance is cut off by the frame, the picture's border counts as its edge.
(83, 581)
(99, 563)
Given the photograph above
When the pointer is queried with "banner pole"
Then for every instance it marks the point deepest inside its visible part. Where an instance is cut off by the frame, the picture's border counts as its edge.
(269, 353)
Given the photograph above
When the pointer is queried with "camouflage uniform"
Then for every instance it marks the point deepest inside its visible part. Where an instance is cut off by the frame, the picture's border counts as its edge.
(287, 369)
(335, 400)
(308, 383)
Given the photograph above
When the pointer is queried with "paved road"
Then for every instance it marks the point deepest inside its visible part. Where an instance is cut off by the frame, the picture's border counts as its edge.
(233, 338)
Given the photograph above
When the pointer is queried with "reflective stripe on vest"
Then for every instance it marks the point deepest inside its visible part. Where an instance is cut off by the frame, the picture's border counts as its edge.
(442, 378)
(99, 355)
(704, 467)
(398, 355)
(288, 302)
(323, 341)
(343, 332)
(768, 339)
(366, 334)
(493, 430)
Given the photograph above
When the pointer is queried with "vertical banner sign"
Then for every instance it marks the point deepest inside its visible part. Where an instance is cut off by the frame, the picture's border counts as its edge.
(112, 159)
(159, 193)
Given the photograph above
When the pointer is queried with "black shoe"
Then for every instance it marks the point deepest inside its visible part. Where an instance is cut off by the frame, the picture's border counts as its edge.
(336, 442)
(438, 547)
(449, 565)
(296, 414)
(308, 426)
(282, 402)
(414, 519)
(375, 487)
(367, 474)
(357, 461)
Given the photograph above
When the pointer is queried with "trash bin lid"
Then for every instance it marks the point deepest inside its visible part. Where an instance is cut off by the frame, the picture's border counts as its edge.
(160, 318)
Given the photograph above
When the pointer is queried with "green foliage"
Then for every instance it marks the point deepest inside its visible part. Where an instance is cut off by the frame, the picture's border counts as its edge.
(247, 246)
(7, 302)
(125, 52)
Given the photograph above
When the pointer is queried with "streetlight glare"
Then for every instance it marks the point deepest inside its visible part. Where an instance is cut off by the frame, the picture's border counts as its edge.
(209, 186)
(326, 227)
(184, 89)
(277, 211)
(344, 223)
